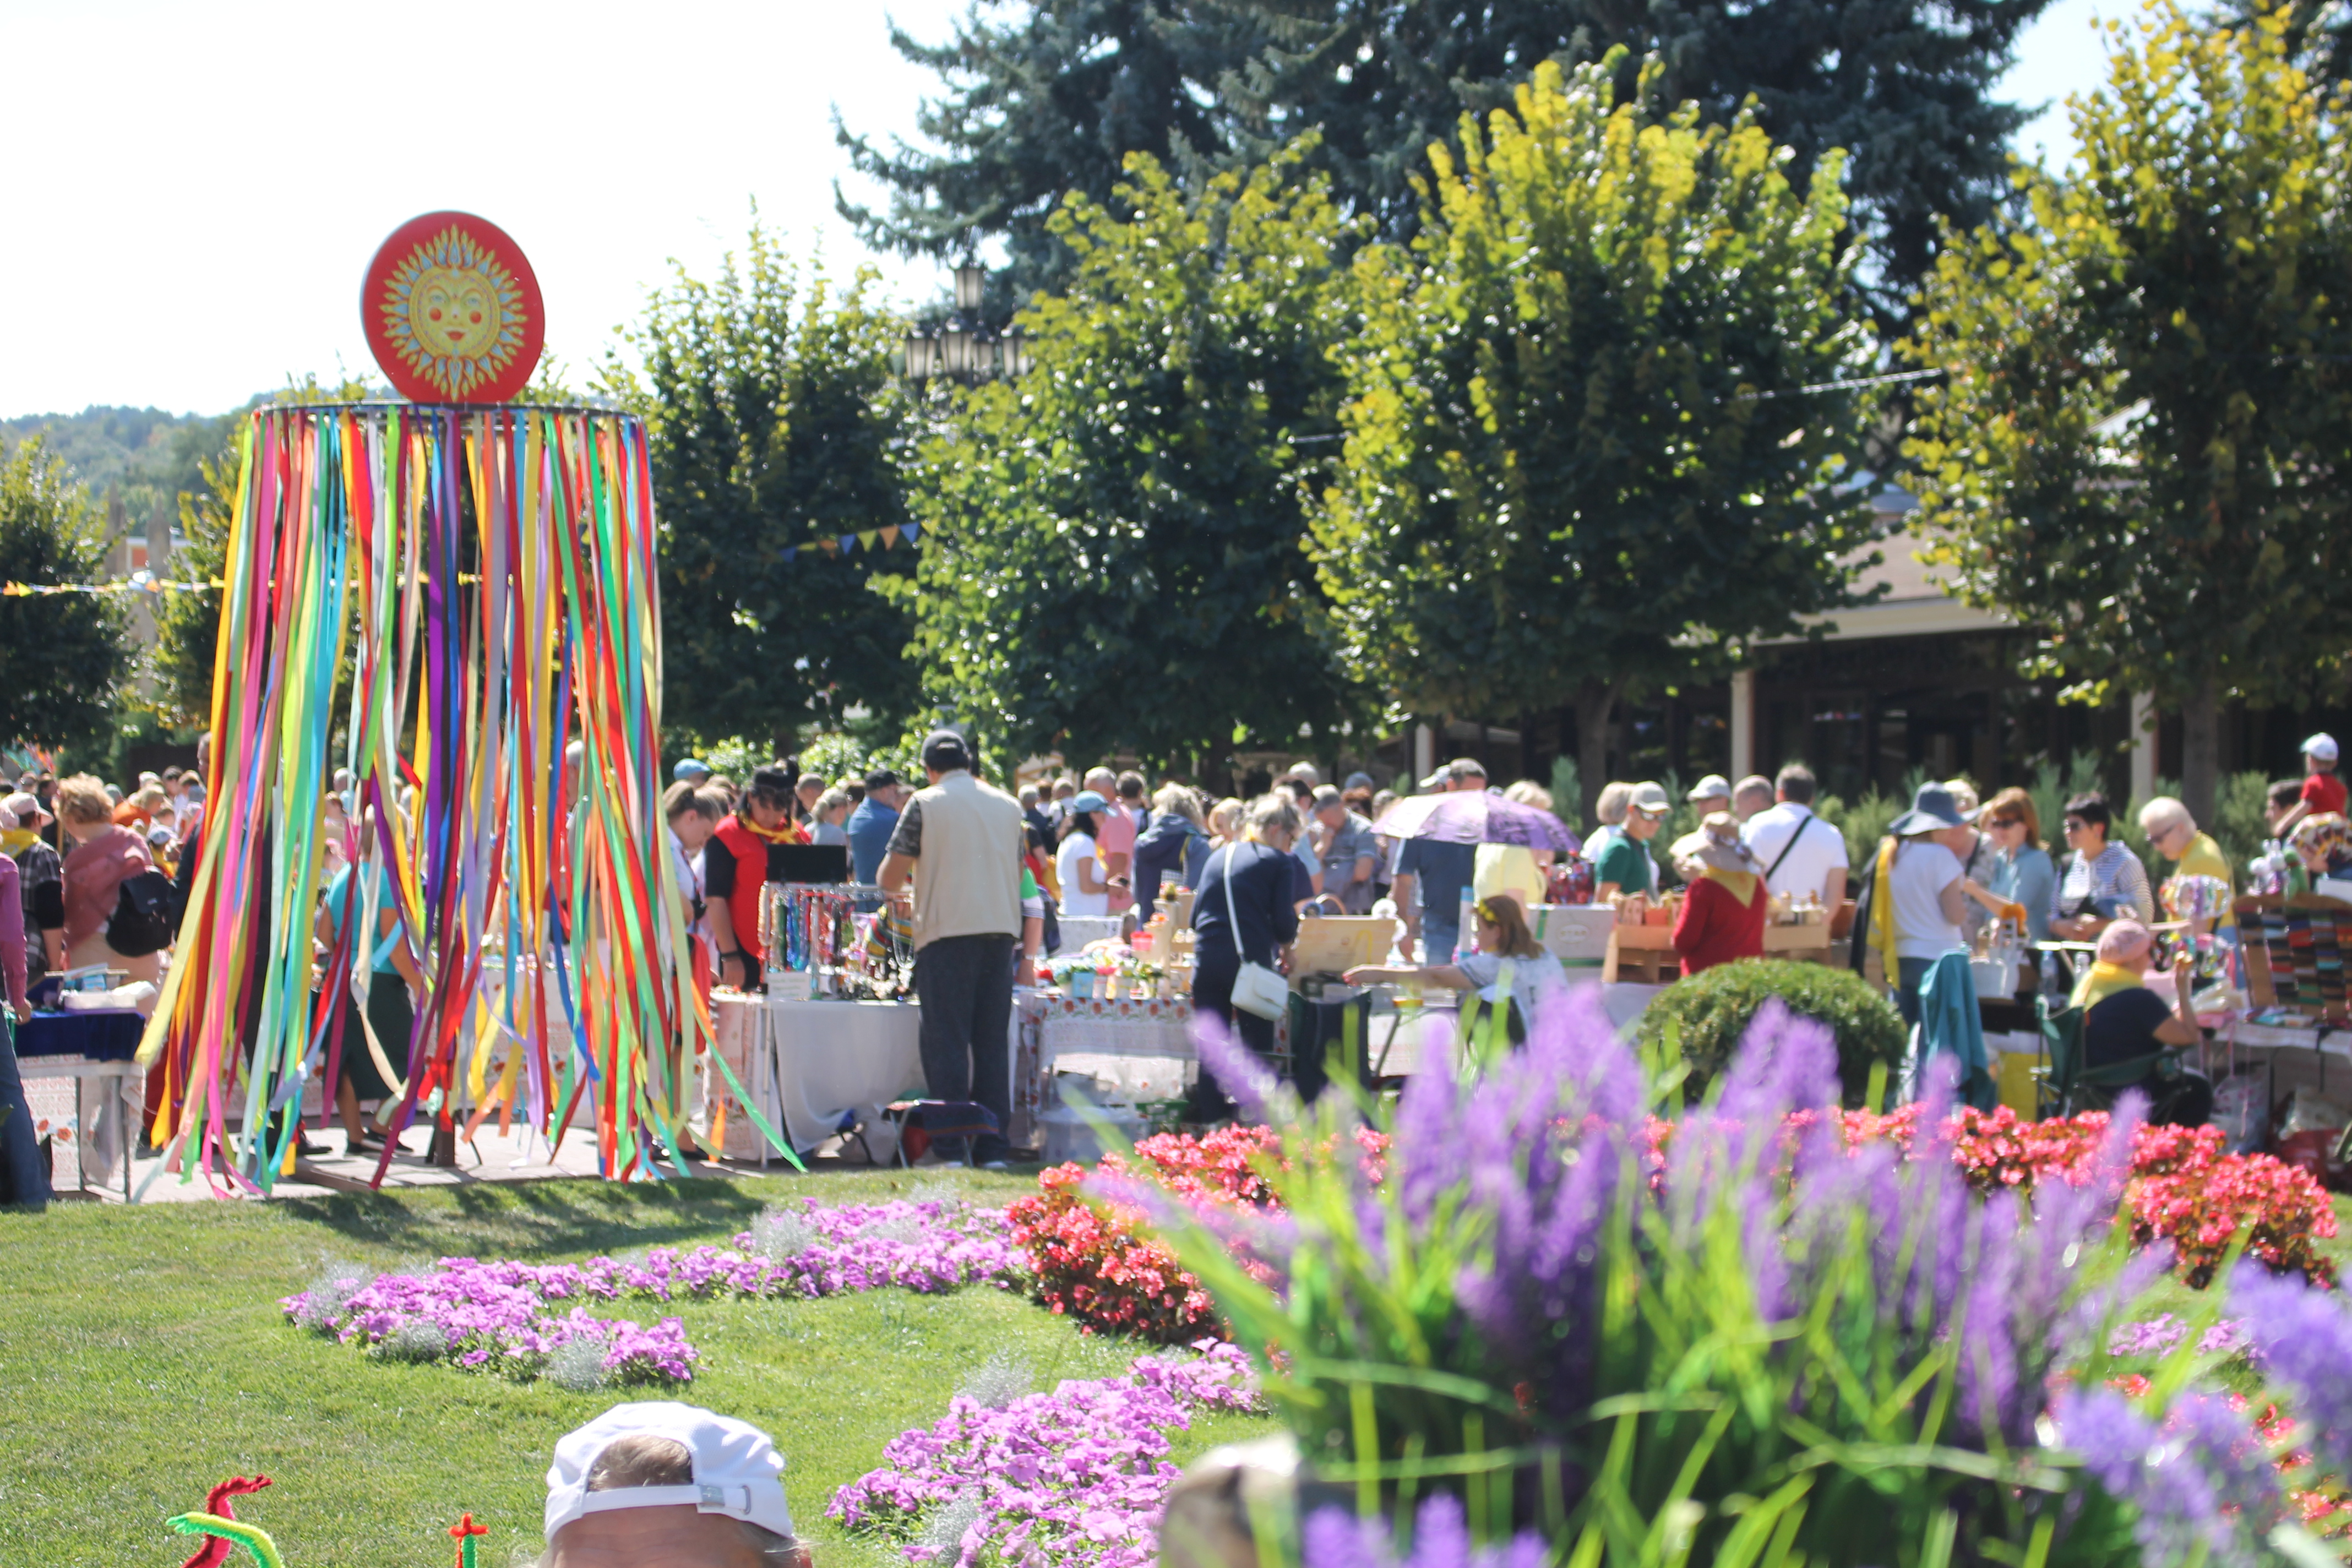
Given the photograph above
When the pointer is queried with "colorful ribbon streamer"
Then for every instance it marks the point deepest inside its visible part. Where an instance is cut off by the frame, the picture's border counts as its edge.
(454, 597)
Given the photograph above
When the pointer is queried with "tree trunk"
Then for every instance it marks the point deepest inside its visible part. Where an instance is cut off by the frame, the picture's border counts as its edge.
(1595, 702)
(2200, 750)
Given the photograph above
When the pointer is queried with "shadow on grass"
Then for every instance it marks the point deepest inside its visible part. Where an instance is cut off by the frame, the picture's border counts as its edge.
(534, 1218)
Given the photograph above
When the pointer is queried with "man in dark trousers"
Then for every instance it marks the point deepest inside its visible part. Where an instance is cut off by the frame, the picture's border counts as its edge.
(959, 841)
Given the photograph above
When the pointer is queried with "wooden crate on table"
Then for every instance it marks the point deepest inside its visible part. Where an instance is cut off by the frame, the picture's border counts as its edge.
(1333, 944)
(1641, 955)
(1802, 943)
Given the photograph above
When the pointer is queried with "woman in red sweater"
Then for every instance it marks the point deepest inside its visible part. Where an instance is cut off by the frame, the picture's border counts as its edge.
(1723, 912)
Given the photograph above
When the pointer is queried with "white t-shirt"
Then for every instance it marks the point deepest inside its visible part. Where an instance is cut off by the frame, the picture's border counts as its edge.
(1922, 870)
(1076, 849)
(1807, 869)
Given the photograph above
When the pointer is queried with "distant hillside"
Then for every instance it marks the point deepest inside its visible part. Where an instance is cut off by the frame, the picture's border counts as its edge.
(144, 451)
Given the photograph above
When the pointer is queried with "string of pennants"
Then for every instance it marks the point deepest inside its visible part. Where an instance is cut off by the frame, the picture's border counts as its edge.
(872, 537)
(42, 590)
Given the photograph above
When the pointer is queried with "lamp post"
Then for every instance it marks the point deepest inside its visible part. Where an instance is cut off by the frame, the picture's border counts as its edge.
(963, 349)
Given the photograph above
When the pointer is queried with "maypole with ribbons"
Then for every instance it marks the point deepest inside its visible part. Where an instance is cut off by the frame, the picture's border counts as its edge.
(457, 602)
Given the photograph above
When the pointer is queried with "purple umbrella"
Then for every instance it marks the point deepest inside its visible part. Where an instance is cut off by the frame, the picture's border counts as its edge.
(1485, 817)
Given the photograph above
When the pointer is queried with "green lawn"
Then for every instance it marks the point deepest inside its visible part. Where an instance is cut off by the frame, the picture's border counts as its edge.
(142, 1357)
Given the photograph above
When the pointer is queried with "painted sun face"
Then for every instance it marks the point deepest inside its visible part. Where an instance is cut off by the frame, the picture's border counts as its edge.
(455, 312)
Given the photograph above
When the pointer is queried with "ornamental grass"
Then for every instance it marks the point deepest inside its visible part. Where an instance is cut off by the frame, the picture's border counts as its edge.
(1550, 1335)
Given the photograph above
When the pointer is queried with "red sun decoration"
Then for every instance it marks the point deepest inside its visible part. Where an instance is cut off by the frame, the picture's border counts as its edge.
(452, 310)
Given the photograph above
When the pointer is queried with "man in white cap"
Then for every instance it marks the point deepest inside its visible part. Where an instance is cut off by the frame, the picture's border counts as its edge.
(657, 1482)
(2323, 792)
(1623, 866)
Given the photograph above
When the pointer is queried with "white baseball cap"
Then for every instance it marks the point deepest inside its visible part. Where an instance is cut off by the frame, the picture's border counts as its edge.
(737, 1471)
(1650, 799)
(1715, 786)
(2322, 745)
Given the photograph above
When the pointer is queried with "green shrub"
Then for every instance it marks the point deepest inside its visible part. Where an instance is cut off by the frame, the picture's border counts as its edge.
(1712, 1011)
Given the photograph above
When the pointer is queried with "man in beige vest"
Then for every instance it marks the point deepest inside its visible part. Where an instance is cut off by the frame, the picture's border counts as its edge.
(961, 841)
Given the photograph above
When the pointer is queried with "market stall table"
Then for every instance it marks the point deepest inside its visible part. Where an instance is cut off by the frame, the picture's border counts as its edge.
(819, 1063)
(1143, 1049)
(95, 1044)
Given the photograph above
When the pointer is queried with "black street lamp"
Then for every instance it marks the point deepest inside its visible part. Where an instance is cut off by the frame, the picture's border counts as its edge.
(963, 349)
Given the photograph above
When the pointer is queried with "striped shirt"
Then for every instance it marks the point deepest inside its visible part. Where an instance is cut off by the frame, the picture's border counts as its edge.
(2114, 880)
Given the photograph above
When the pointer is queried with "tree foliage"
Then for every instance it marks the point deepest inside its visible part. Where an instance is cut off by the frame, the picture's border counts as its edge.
(63, 656)
(187, 623)
(2142, 436)
(1051, 99)
(1112, 549)
(775, 422)
(1576, 460)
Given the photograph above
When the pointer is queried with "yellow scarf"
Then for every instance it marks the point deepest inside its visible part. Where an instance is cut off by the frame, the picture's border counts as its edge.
(16, 840)
(787, 833)
(2102, 980)
(1882, 906)
(1741, 884)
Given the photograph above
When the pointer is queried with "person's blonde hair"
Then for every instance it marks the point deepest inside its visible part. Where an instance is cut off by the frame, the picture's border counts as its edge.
(1275, 810)
(1179, 800)
(1225, 816)
(1616, 800)
(1502, 912)
(831, 800)
(83, 799)
(147, 798)
(2164, 814)
(1526, 792)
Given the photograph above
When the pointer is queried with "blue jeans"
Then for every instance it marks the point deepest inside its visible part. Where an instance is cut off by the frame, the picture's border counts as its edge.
(1910, 973)
(24, 1173)
(1439, 934)
(965, 986)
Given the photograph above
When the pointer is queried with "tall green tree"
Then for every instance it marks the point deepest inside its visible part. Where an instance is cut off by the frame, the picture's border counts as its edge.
(64, 657)
(1111, 554)
(1052, 100)
(1579, 459)
(1051, 97)
(775, 423)
(2142, 437)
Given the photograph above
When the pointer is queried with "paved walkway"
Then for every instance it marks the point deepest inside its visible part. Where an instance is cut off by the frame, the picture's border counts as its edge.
(517, 1156)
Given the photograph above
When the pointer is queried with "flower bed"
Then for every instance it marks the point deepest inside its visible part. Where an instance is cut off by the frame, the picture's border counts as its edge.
(1072, 1478)
(2183, 1190)
(511, 1318)
(1096, 1261)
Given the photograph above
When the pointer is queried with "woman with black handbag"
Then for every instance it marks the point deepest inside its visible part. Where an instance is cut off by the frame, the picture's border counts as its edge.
(1243, 915)
(118, 906)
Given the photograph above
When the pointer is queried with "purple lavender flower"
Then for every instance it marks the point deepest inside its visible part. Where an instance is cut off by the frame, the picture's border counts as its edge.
(1252, 1085)
(2201, 1480)
(2303, 1338)
(1441, 1538)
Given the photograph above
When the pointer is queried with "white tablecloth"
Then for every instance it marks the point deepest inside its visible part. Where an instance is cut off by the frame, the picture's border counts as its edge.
(836, 1057)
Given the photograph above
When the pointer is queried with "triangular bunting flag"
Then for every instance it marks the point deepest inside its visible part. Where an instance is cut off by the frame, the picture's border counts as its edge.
(866, 538)
(889, 536)
(912, 528)
(830, 546)
(848, 543)
(791, 551)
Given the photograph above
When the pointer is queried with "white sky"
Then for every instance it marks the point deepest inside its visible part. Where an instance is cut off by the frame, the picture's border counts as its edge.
(194, 189)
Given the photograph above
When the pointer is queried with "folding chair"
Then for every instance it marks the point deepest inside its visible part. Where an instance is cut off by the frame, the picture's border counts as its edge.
(2069, 1088)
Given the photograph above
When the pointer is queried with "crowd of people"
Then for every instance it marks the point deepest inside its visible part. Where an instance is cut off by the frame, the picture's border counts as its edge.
(986, 875)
